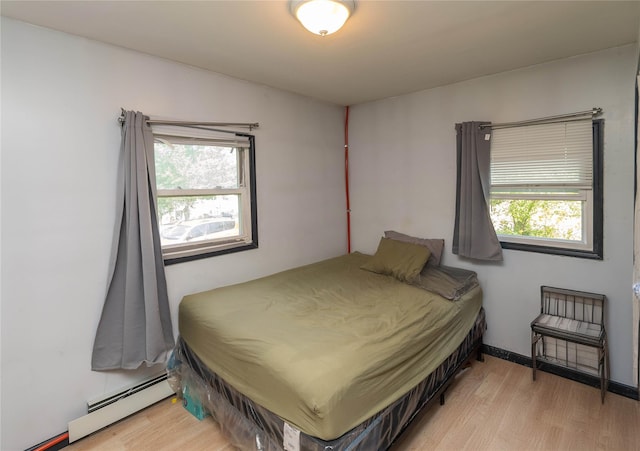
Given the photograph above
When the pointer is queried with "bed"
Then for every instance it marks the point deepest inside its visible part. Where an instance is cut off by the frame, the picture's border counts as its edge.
(329, 356)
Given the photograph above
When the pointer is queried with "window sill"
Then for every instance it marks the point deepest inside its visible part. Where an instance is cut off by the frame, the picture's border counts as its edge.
(172, 260)
(589, 254)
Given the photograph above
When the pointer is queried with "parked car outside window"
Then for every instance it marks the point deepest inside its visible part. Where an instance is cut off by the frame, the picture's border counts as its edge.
(199, 230)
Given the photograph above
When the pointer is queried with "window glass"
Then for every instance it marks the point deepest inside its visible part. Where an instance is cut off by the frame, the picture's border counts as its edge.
(173, 210)
(554, 219)
(206, 196)
(180, 166)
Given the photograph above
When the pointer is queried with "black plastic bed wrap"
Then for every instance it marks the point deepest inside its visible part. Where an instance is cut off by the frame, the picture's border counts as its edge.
(250, 426)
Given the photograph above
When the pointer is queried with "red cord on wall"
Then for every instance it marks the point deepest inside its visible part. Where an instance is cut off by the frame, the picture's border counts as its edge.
(346, 176)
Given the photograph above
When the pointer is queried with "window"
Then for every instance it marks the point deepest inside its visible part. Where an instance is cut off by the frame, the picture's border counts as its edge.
(546, 187)
(206, 193)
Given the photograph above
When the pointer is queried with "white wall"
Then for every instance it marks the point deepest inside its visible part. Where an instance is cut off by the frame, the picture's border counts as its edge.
(60, 143)
(403, 177)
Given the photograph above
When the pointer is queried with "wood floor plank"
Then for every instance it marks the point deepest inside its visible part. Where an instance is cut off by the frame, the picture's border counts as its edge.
(494, 405)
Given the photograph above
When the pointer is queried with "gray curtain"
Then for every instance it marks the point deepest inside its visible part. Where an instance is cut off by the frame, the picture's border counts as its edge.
(474, 236)
(135, 326)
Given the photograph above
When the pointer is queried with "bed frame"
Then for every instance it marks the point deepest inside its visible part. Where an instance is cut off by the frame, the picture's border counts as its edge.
(249, 426)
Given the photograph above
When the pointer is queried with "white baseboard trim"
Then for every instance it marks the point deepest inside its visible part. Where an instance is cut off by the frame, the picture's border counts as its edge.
(118, 410)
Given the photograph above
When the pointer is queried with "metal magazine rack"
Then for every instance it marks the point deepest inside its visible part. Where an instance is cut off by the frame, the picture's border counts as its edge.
(570, 332)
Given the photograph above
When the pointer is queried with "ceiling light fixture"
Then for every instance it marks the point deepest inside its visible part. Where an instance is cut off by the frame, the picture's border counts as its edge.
(322, 17)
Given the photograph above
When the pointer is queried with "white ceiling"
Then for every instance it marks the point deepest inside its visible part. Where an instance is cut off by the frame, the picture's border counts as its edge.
(386, 48)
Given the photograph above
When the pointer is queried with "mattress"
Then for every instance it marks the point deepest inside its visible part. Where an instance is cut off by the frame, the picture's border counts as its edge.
(325, 346)
(251, 427)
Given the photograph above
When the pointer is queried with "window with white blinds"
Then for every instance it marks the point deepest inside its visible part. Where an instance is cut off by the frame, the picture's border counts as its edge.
(546, 190)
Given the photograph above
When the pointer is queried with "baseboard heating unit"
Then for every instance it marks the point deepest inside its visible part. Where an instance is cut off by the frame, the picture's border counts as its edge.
(113, 407)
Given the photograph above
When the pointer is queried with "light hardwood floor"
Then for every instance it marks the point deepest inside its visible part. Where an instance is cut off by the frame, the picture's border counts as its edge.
(494, 405)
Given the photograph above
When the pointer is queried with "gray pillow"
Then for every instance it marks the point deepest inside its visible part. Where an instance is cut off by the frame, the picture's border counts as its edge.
(448, 282)
(435, 245)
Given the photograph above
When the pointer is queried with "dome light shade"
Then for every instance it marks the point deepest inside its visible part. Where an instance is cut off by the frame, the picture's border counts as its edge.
(322, 17)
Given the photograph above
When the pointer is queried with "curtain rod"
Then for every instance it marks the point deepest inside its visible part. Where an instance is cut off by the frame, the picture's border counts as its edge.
(249, 125)
(592, 112)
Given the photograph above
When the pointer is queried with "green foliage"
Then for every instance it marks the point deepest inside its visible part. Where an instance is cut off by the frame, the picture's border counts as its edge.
(182, 166)
(179, 208)
(537, 218)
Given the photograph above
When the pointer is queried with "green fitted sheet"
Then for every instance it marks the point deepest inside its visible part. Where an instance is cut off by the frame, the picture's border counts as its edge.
(325, 346)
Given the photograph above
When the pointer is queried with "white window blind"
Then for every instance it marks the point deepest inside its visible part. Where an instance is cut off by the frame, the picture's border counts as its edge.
(546, 155)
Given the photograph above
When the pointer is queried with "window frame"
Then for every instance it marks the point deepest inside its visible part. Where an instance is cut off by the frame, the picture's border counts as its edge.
(180, 253)
(594, 222)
